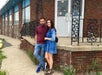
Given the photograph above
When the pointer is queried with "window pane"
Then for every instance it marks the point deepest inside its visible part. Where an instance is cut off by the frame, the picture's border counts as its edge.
(16, 18)
(10, 25)
(62, 7)
(16, 8)
(27, 13)
(76, 10)
(16, 24)
(10, 20)
(3, 24)
(10, 12)
(6, 24)
(25, 3)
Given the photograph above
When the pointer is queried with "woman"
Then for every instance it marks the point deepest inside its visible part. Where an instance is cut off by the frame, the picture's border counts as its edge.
(50, 45)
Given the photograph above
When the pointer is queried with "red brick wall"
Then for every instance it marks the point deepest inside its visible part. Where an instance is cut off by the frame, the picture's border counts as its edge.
(26, 45)
(48, 12)
(48, 9)
(81, 60)
(93, 10)
(20, 16)
(32, 9)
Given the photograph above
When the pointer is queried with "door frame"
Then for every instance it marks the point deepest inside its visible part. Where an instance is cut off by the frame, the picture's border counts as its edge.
(69, 16)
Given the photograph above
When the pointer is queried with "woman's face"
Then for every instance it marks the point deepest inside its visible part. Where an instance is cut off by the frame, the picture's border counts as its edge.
(49, 23)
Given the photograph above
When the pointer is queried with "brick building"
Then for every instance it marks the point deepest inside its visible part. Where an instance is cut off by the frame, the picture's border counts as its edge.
(17, 12)
(89, 12)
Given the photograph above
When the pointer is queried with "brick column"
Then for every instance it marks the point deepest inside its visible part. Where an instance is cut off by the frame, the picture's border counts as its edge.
(12, 21)
(20, 16)
(0, 24)
(32, 10)
(4, 27)
(8, 23)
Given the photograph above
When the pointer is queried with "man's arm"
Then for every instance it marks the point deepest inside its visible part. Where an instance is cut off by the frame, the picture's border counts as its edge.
(35, 39)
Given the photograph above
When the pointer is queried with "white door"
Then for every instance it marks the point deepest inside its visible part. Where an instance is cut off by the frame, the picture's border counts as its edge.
(63, 18)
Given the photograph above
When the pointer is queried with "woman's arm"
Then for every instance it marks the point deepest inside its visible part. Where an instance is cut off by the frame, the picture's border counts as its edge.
(53, 35)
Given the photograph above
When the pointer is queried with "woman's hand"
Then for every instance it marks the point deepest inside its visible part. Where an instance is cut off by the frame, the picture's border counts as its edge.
(46, 38)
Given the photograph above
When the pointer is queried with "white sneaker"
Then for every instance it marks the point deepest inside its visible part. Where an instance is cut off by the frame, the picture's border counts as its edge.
(45, 65)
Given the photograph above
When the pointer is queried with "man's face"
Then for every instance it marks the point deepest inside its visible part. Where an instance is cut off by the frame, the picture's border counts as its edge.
(42, 21)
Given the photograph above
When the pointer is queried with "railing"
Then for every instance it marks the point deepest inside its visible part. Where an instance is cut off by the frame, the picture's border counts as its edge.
(28, 29)
(93, 31)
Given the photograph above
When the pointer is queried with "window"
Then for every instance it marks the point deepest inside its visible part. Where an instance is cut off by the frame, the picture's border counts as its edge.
(75, 13)
(6, 23)
(16, 15)
(25, 11)
(10, 22)
(16, 21)
(3, 18)
(10, 17)
(62, 7)
(16, 18)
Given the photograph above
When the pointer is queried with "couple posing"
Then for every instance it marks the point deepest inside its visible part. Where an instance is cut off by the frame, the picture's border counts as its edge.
(45, 45)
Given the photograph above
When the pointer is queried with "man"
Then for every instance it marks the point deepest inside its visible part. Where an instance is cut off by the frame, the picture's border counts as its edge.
(41, 31)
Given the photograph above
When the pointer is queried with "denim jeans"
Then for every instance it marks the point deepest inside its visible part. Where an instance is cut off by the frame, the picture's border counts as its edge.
(39, 53)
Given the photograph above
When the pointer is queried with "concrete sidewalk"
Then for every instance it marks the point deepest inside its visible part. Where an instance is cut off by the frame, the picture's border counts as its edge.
(17, 62)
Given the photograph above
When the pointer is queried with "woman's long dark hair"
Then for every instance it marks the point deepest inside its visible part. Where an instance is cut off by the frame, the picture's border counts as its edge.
(52, 23)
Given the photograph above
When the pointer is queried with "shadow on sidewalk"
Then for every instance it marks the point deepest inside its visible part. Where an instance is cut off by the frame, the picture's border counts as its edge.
(6, 44)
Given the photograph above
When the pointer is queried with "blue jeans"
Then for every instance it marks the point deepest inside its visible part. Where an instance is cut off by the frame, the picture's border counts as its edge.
(39, 53)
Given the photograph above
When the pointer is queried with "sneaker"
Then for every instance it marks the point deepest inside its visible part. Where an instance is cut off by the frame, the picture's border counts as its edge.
(38, 69)
(45, 66)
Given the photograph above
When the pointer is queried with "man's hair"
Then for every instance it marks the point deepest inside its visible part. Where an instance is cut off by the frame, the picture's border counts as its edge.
(43, 18)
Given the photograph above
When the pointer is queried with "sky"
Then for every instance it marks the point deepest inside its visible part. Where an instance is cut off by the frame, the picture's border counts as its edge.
(2, 3)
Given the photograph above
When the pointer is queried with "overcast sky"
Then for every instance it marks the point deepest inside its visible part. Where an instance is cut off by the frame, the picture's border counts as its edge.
(2, 3)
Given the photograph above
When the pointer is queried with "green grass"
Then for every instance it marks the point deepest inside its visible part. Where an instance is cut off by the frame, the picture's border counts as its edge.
(2, 56)
(3, 73)
(30, 54)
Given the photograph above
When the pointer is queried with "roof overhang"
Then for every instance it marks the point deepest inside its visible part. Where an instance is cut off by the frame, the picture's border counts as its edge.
(9, 5)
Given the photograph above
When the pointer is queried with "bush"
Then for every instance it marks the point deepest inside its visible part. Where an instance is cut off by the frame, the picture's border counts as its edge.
(1, 57)
(2, 42)
(3, 73)
(69, 70)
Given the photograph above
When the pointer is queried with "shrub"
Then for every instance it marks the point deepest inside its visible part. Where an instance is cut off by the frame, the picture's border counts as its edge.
(95, 64)
(2, 42)
(1, 57)
(69, 70)
(3, 73)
